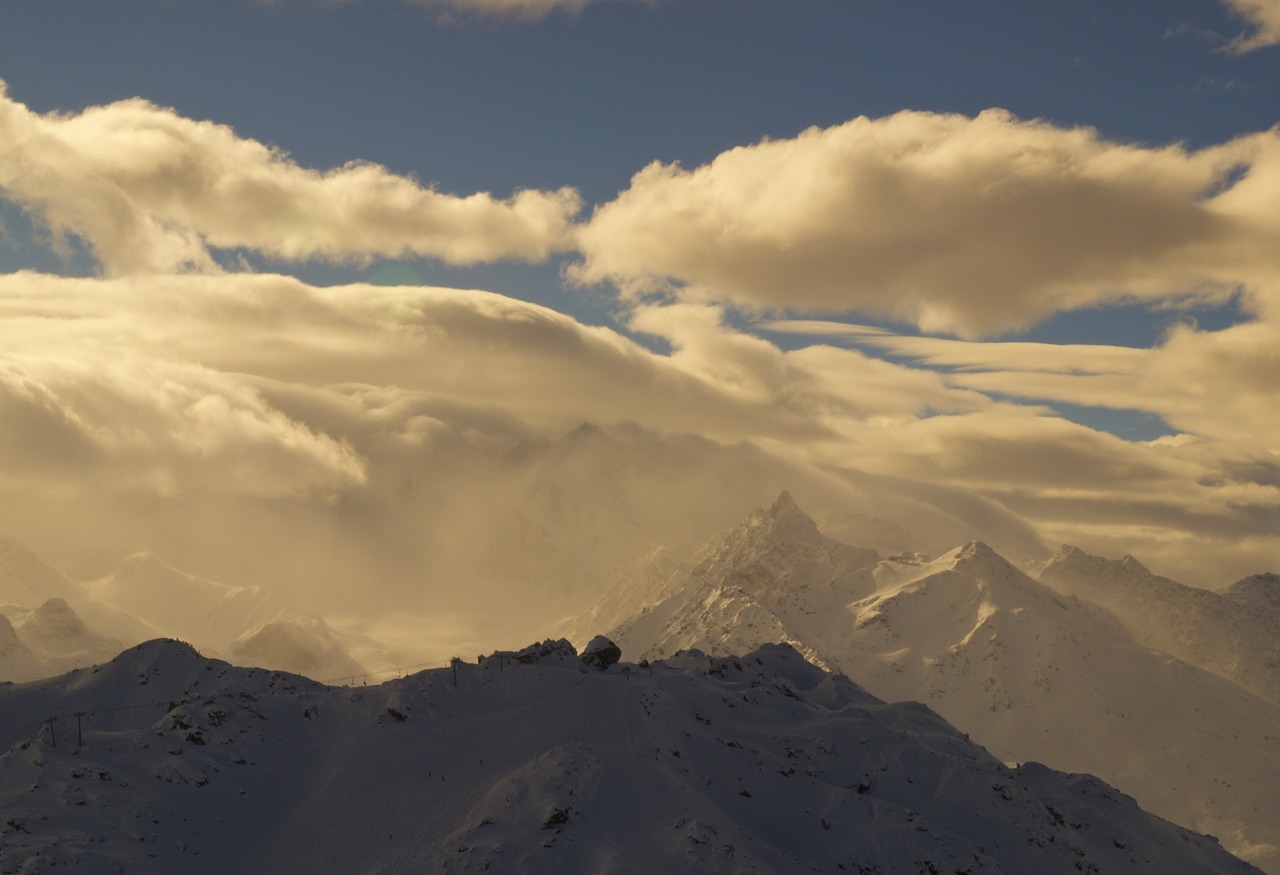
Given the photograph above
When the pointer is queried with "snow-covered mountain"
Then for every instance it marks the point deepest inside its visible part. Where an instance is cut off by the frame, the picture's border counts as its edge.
(755, 764)
(17, 663)
(1029, 673)
(50, 623)
(305, 646)
(205, 612)
(57, 637)
(1232, 633)
(774, 554)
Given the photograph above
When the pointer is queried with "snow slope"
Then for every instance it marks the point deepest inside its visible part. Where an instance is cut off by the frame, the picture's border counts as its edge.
(1029, 673)
(1231, 633)
(759, 764)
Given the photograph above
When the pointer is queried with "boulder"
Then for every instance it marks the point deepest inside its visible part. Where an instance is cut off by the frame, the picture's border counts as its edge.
(601, 652)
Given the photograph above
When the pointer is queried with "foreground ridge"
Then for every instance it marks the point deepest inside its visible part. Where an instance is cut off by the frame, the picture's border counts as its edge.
(759, 763)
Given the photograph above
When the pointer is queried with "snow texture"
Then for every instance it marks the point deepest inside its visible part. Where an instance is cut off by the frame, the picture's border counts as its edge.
(762, 763)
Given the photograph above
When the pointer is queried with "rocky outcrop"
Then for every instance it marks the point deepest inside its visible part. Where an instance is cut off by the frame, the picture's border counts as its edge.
(601, 653)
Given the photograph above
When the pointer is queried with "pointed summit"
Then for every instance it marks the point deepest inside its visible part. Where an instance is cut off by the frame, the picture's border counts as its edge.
(1130, 564)
(975, 557)
(784, 503)
(787, 521)
(586, 430)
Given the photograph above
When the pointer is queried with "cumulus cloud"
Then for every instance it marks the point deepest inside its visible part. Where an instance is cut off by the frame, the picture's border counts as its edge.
(963, 225)
(1264, 16)
(149, 190)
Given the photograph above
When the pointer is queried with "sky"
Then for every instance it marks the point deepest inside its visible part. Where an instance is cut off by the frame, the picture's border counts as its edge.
(283, 285)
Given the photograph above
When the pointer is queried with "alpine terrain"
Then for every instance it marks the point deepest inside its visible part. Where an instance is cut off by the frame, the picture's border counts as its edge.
(1028, 672)
(534, 761)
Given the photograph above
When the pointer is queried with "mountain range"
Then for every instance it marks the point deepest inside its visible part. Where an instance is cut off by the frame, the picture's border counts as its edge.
(50, 623)
(1231, 632)
(1028, 672)
(1087, 664)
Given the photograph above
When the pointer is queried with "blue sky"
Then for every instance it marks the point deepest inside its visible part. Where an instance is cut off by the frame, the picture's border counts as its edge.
(844, 229)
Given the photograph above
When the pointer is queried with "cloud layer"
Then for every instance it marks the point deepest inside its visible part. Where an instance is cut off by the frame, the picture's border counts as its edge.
(404, 437)
(965, 225)
(149, 190)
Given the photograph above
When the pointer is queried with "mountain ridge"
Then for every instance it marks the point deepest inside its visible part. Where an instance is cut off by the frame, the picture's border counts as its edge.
(1030, 672)
(759, 763)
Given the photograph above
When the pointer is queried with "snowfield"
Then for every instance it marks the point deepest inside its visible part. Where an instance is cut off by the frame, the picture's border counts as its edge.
(760, 763)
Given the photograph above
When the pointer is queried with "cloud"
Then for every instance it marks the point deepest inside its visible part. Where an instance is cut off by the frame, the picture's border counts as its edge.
(1213, 385)
(1264, 16)
(520, 9)
(141, 424)
(964, 225)
(149, 190)
(413, 436)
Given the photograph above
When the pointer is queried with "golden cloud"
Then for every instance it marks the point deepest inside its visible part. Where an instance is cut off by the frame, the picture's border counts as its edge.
(150, 191)
(966, 225)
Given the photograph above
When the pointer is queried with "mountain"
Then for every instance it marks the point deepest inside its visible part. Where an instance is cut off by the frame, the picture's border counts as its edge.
(206, 612)
(305, 646)
(762, 764)
(776, 555)
(55, 635)
(17, 663)
(1231, 633)
(146, 598)
(1029, 673)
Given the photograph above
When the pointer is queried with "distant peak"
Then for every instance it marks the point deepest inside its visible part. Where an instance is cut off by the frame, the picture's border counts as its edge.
(1077, 561)
(55, 607)
(785, 518)
(134, 560)
(143, 563)
(974, 553)
(977, 549)
(1131, 564)
(585, 431)
(784, 503)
